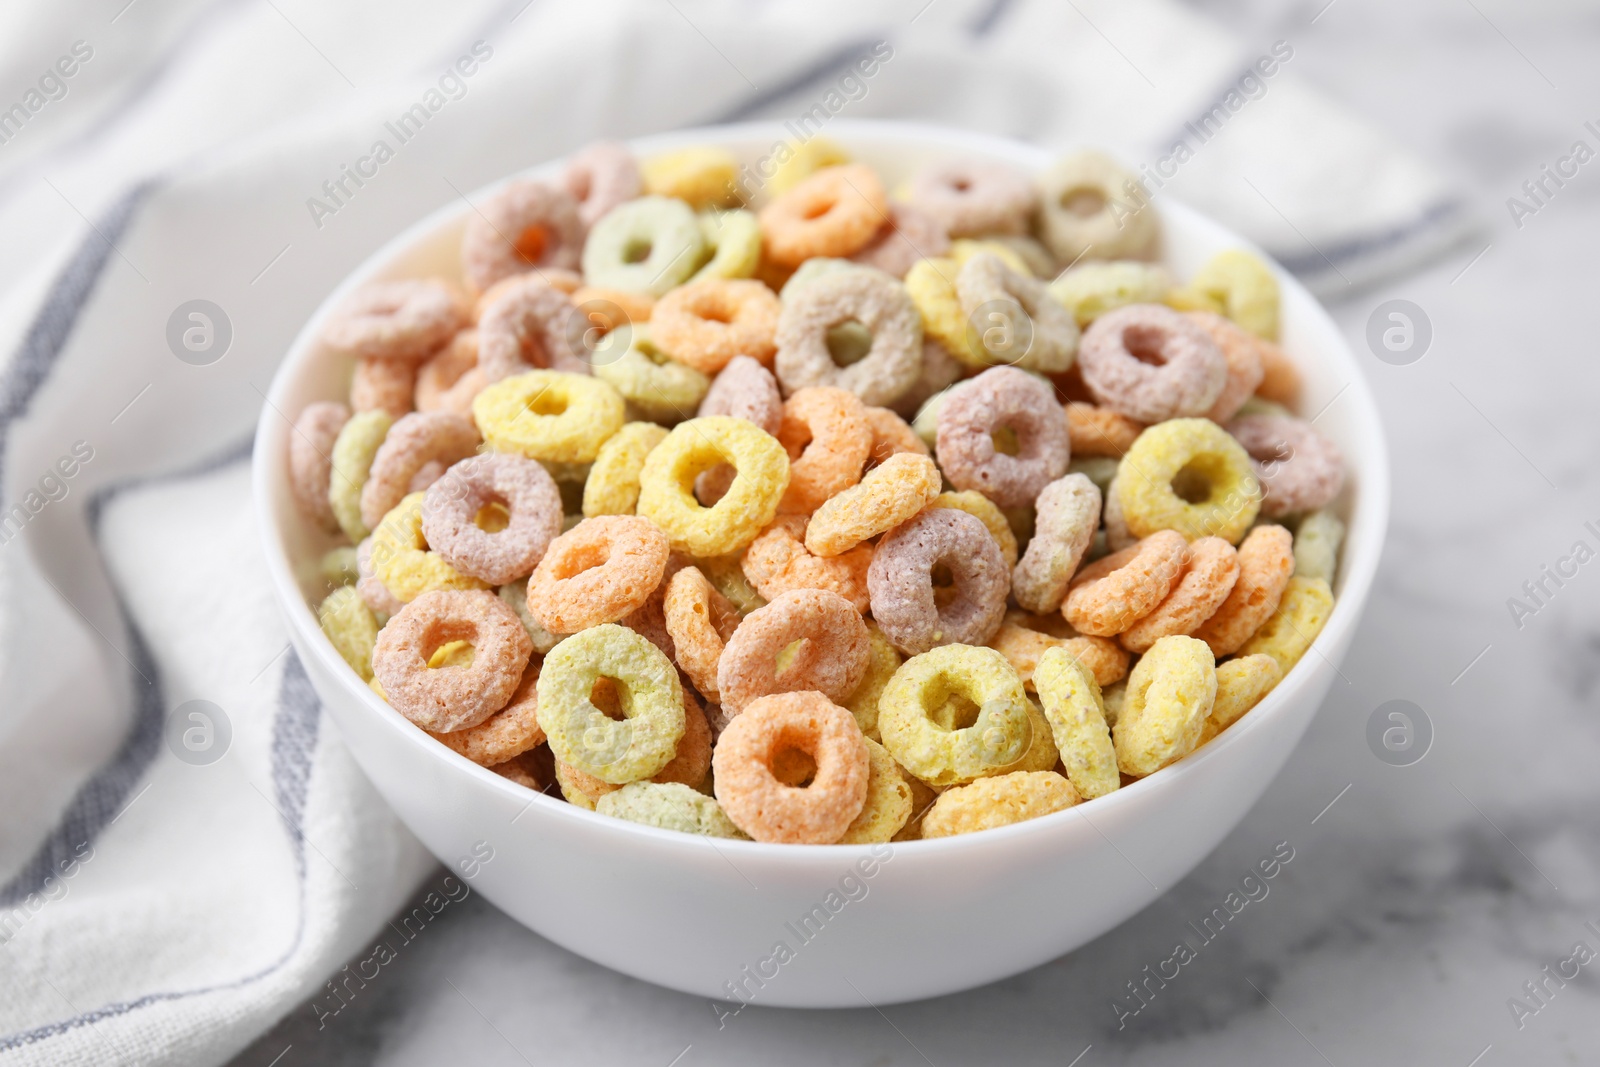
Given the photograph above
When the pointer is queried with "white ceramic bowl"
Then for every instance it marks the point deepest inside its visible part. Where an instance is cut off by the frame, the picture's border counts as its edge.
(857, 924)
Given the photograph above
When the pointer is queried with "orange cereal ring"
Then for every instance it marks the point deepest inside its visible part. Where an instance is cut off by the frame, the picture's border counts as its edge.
(311, 458)
(1242, 350)
(831, 658)
(700, 621)
(525, 226)
(1023, 639)
(759, 802)
(1280, 378)
(599, 571)
(1111, 594)
(609, 308)
(705, 324)
(412, 443)
(1266, 563)
(891, 435)
(890, 494)
(1096, 431)
(445, 699)
(506, 734)
(777, 561)
(394, 320)
(1210, 569)
(835, 212)
(531, 325)
(383, 385)
(451, 378)
(826, 434)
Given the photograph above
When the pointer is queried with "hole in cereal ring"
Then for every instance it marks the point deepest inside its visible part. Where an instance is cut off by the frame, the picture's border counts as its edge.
(961, 185)
(606, 696)
(530, 244)
(793, 766)
(817, 208)
(1192, 483)
(1083, 201)
(848, 342)
(956, 713)
(451, 654)
(547, 403)
(1144, 345)
(1005, 441)
(492, 517)
(637, 250)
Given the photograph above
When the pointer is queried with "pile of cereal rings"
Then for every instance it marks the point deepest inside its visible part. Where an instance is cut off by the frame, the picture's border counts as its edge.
(631, 511)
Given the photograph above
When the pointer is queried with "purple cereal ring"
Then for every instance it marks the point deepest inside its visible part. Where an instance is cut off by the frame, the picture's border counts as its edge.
(1003, 398)
(411, 444)
(910, 234)
(600, 176)
(522, 486)
(871, 298)
(992, 294)
(1299, 469)
(394, 320)
(743, 389)
(525, 226)
(1151, 363)
(311, 458)
(900, 582)
(832, 658)
(374, 594)
(1066, 515)
(530, 325)
(443, 699)
(972, 198)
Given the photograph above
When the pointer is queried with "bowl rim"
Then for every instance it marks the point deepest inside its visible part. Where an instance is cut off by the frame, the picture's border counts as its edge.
(1370, 504)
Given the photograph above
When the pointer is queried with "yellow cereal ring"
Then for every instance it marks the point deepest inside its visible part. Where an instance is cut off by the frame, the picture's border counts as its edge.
(666, 484)
(656, 386)
(987, 512)
(353, 452)
(991, 802)
(401, 560)
(800, 161)
(965, 248)
(891, 493)
(1092, 289)
(1170, 694)
(351, 628)
(338, 566)
(1042, 754)
(651, 697)
(668, 806)
(1241, 683)
(883, 659)
(566, 779)
(1316, 545)
(888, 805)
(703, 177)
(925, 684)
(1174, 462)
(1236, 284)
(932, 287)
(612, 487)
(734, 240)
(548, 415)
(1299, 619)
(1077, 717)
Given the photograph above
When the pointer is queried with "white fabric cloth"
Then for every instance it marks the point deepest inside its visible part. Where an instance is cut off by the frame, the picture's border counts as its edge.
(158, 909)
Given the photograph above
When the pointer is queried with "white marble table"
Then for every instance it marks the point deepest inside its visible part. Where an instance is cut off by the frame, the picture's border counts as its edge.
(1427, 895)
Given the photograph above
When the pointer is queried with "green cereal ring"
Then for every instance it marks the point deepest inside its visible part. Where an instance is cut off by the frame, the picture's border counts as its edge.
(1077, 716)
(1289, 631)
(727, 575)
(351, 627)
(1316, 545)
(656, 386)
(999, 737)
(612, 487)
(1182, 460)
(669, 806)
(1092, 289)
(353, 452)
(734, 240)
(926, 423)
(883, 659)
(580, 734)
(338, 566)
(1236, 284)
(516, 594)
(888, 805)
(666, 484)
(1170, 694)
(648, 245)
(1098, 469)
(549, 416)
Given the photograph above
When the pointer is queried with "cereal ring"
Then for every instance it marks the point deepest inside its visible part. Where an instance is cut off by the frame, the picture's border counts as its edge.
(530, 325)
(530, 770)
(708, 323)
(1299, 468)
(1089, 205)
(1041, 753)
(1151, 363)
(599, 176)
(383, 385)
(1098, 469)
(944, 755)
(444, 699)
(733, 239)
(1280, 380)
(891, 436)
(820, 267)
(598, 571)
(1096, 431)
(911, 234)
(939, 370)
(888, 804)
(883, 659)
(931, 284)
(983, 509)
(1316, 545)
(607, 309)
(1170, 694)
(1188, 475)
(612, 487)
(353, 452)
(1113, 593)
(506, 734)
(826, 436)
(1012, 318)
(900, 582)
(1022, 640)
(411, 443)
(964, 249)
(525, 226)
(1241, 683)
(693, 447)
(1003, 398)
(669, 806)
(350, 627)
(1000, 801)
(1266, 562)
(1289, 631)
(1092, 289)
(800, 160)
(515, 594)
(549, 416)
(1243, 354)
(394, 320)
(649, 245)
(704, 176)
(925, 424)
(1067, 514)
(831, 657)
(373, 592)
(877, 302)
(764, 806)
(651, 700)
(1210, 570)
(890, 494)
(311, 451)
(701, 621)
(1236, 284)
(659, 388)
(563, 281)
(834, 212)
(450, 379)
(777, 561)
(745, 390)
(338, 567)
(650, 618)
(400, 558)
(689, 766)
(452, 516)
(972, 197)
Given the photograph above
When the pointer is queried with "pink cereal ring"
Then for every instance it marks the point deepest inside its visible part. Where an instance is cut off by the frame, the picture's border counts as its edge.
(600, 176)
(1003, 398)
(444, 699)
(394, 320)
(1113, 593)
(1299, 469)
(452, 504)
(1066, 515)
(525, 226)
(530, 325)
(506, 734)
(1210, 569)
(412, 443)
(911, 234)
(973, 198)
(311, 458)
(599, 571)
(1151, 363)
(374, 594)
(900, 582)
(383, 385)
(832, 656)
(450, 379)
(1242, 350)
(893, 362)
